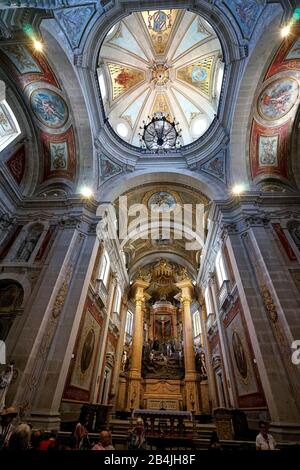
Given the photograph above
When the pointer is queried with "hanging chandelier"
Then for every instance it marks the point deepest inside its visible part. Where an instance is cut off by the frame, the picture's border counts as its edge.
(160, 134)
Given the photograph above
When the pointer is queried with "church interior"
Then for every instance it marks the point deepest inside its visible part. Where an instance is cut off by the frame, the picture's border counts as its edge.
(150, 218)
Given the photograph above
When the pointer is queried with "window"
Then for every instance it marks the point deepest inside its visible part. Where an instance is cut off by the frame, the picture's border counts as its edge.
(104, 269)
(9, 127)
(129, 323)
(102, 86)
(196, 323)
(221, 269)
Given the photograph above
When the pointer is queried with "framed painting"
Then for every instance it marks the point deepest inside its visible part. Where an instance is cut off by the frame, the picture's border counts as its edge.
(86, 353)
(240, 357)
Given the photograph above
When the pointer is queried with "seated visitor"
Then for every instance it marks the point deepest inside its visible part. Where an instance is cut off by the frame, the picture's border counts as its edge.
(20, 438)
(105, 441)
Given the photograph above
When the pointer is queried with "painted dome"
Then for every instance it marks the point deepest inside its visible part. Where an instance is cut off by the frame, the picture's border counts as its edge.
(161, 61)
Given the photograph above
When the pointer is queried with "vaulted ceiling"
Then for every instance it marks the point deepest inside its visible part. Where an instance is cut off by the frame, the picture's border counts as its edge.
(163, 61)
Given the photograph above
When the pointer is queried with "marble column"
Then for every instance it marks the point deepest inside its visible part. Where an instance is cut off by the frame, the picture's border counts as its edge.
(191, 376)
(138, 288)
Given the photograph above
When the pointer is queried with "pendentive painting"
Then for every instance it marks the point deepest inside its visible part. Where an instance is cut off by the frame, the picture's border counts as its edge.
(49, 108)
(86, 353)
(278, 98)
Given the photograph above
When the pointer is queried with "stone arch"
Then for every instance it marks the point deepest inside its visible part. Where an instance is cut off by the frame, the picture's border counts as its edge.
(255, 69)
(118, 185)
(61, 62)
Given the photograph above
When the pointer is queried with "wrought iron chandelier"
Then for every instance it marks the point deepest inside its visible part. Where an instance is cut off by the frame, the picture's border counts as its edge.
(160, 134)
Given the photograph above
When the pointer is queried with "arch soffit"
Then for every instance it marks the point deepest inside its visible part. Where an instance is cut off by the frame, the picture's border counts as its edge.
(120, 184)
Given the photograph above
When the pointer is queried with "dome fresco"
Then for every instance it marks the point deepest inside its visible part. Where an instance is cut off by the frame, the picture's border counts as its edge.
(167, 62)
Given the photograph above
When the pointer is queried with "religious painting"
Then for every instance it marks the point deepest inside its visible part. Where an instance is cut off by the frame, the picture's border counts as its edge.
(21, 58)
(161, 202)
(74, 22)
(195, 34)
(108, 168)
(241, 357)
(199, 75)
(267, 150)
(278, 98)
(59, 151)
(159, 25)
(161, 106)
(215, 166)
(246, 13)
(16, 164)
(294, 52)
(58, 156)
(49, 108)
(86, 353)
(123, 78)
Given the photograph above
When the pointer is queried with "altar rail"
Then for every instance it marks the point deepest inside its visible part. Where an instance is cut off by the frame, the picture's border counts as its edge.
(163, 422)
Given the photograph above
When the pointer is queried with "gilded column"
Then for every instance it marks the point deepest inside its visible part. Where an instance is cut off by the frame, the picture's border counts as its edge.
(137, 344)
(192, 396)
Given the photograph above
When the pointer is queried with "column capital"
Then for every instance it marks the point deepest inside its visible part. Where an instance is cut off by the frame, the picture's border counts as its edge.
(186, 288)
(140, 283)
(138, 288)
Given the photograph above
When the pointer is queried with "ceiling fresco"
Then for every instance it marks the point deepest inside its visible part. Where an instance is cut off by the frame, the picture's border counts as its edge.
(275, 107)
(47, 103)
(161, 61)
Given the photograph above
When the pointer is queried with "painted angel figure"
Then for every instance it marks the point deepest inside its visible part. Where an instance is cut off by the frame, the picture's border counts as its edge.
(5, 380)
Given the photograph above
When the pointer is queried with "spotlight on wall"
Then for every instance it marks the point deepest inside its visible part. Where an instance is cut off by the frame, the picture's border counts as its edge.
(238, 189)
(38, 45)
(86, 192)
(285, 31)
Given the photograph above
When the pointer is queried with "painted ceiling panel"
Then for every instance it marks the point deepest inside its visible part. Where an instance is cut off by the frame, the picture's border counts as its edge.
(124, 39)
(188, 108)
(132, 112)
(198, 74)
(194, 35)
(159, 25)
(123, 79)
